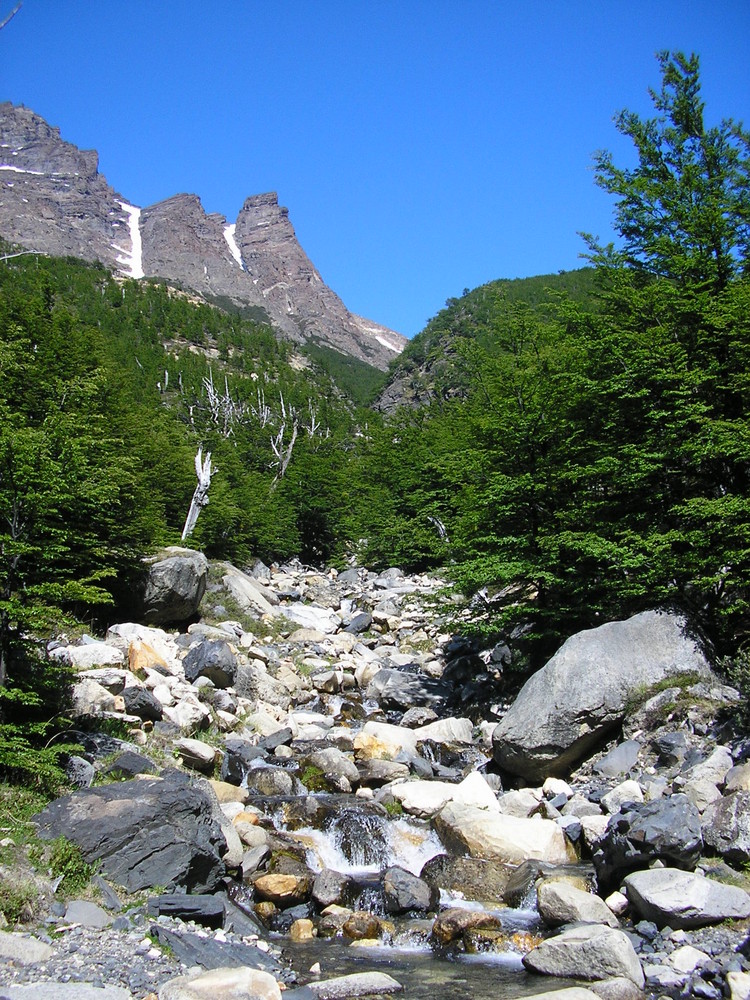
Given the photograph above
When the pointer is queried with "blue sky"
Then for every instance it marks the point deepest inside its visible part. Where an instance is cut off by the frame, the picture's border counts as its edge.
(421, 146)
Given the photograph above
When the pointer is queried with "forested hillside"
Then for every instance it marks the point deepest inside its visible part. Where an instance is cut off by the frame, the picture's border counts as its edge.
(583, 451)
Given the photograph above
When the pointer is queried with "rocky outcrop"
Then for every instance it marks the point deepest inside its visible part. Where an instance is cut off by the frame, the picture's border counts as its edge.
(54, 200)
(569, 707)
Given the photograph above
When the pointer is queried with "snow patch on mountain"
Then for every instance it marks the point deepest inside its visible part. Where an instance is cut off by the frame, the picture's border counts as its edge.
(229, 237)
(132, 262)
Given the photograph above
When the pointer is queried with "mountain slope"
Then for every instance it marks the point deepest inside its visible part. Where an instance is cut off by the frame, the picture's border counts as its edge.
(54, 200)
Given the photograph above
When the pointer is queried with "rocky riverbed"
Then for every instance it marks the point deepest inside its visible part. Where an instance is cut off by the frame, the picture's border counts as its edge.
(319, 784)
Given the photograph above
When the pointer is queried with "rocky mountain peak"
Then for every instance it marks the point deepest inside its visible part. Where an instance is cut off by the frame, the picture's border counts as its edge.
(54, 200)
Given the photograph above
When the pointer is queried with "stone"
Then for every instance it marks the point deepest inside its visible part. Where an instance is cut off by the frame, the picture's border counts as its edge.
(559, 902)
(455, 922)
(447, 731)
(251, 595)
(665, 829)
(338, 770)
(398, 689)
(726, 826)
(238, 759)
(331, 887)
(738, 778)
(82, 911)
(196, 754)
(680, 899)
(284, 891)
(213, 659)
(92, 699)
(587, 951)
(358, 984)
(302, 930)
(619, 760)
(144, 833)
(374, 773)
(361, 925)
(474, 877)
(201, 909)
(714, 768)
(405, 892)
(175, 586)
(381, 739)
(739, 985)
(143, 703)
(89, 655)
(222, 984)
(687, 959)
(626, 792)
(569, 706)
(519, 802)
(485, 834)
(23, 949)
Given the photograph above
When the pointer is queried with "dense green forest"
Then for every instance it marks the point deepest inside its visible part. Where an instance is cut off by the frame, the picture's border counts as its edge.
(582, 453)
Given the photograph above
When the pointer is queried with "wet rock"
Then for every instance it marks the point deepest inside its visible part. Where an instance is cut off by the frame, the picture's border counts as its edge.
(520, 890)
(474, 877)
(331, 887)
(284, 891)
(404, 892)
(361, 925)
(338, 770)
(238, 759)
(270, 781)
(567, 708)
(452, 924)
(201, 909)
(356, 985)
(680, 899)
(587, 951)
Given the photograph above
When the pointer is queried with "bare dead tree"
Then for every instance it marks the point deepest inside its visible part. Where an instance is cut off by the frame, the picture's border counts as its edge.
(204, 471)
(10, 16)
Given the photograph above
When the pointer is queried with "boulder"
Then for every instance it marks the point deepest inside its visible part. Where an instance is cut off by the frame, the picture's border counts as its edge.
(487, 834)
(405, 892)
(665, 829)
(358, 984)
(682, 899)
(222, 984)
(455, 922)
(398, 689)
(726, 826)
(142, 702)
(475, 878)
(144, 832)
(284, 891)
(568, 707)
(212, 659)
(175, 586)
(559, 902)
(587, 951)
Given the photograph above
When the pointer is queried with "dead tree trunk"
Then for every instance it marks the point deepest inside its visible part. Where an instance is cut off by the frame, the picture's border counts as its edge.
(203, 471)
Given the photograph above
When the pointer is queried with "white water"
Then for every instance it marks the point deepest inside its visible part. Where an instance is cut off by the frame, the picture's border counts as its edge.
(132, 262)
(232, 242)
(406, 844)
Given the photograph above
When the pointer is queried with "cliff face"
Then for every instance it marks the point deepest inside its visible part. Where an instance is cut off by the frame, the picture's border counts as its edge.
(53, 199)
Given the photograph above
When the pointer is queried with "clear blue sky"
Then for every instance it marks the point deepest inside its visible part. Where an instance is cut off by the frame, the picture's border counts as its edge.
(421, 146)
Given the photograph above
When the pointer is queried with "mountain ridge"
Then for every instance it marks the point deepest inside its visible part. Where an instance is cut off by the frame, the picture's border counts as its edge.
(54, 200)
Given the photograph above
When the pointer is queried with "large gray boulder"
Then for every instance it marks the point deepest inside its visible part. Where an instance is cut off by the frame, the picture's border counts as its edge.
(587, 951)
(726, 827)
(569, 706)
(144, 833)
(680, 899)
(175, 586)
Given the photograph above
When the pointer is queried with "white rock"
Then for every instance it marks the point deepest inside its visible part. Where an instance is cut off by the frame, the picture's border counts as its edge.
(92, 654)
(188, 714)
(617, 902)
(222, 984)
(520, 802)
(447, 731)
(739, 985)
(688, 959)
(397, 738)
(626, 791)
(492, 835)
(556, 786)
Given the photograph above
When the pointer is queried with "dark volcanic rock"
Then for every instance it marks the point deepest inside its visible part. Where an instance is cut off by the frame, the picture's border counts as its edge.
(142, 702)
(668, 829)
(144, 832)
(213, 659)
(405, 892)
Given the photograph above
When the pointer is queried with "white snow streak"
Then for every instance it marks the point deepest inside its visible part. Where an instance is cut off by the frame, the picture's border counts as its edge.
(17, 170)
(232, 242)
(385, 343)
(132, 263)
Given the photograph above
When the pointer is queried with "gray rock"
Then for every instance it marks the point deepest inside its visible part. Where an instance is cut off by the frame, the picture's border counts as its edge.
(238, 759)
(142, 702)
(128, 764)
(359, 623)
(200, 908)
(331, 887)
(358, 984)
(175, 586)
(397, 689)
(81, 911)
(668, 829)
(405, 892)
(475, 878)
(212, 659)
(619, 760)
(559, 902)
(726, 826)
(23, 949)
(144, 833)
(587, 951)
(339, 771)
(567, 708)
(681, 899)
